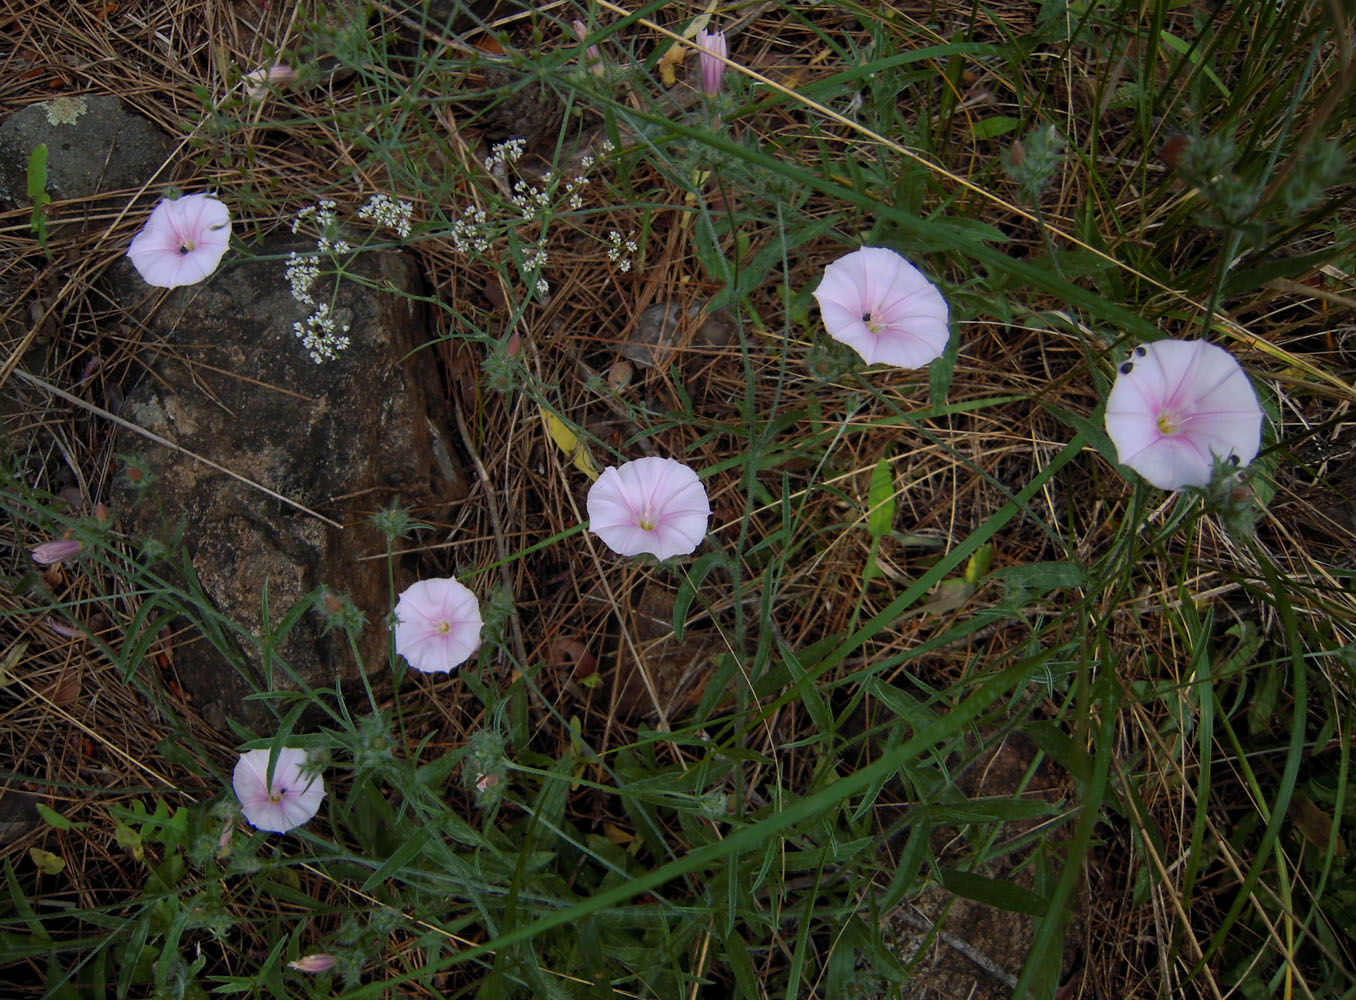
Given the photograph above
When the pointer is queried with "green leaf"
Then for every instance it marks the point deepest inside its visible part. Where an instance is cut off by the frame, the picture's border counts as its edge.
(55, 820)
(991, 128)
(978, 566)
(1003, 895)
(128, 839)
(37, 191)
(37, 176)
(399, 858)
(687, 589)
(880, 515)
(941, 372)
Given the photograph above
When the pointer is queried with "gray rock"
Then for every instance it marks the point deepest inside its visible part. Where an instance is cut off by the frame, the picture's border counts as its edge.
(18, 816)
(94, 144)
(343, 438)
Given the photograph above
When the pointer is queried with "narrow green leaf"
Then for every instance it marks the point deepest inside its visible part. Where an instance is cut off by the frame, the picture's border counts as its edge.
(55, 820)
(994, 892)
(880, 498)
(398, 859)
(37, 176)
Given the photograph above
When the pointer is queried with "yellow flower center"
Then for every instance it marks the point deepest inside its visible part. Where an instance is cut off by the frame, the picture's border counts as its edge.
(1169, 422)
(646, 523)
(443, 628)
(186, 247)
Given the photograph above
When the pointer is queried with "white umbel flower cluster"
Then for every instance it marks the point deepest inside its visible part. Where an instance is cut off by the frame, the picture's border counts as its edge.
(321, 334)
(389, 212)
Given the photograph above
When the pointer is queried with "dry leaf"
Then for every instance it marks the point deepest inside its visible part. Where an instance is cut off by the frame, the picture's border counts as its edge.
(1313, 823)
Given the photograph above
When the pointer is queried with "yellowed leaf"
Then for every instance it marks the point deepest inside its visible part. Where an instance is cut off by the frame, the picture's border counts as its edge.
(677, 52)
(47, 862)
(128, 839)
(11, 660)
(568, 441)
(617, 835)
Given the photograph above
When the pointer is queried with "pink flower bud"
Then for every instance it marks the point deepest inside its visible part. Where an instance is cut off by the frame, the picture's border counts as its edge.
(319, 962)
(712, 51)
(257, 81)
(54, 552)
(593, 56)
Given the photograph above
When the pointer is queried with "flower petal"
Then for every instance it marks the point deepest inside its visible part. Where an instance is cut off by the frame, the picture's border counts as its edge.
(883, 307)
(438, 625)
(296, 792)
(182, 241)
(654, 505)
(1176, 406)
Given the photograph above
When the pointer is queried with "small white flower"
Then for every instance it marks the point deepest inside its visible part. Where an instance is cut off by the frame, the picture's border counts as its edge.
(302, 272)
(389, 212)
(504, 153)
(321, 335)
(620, 251)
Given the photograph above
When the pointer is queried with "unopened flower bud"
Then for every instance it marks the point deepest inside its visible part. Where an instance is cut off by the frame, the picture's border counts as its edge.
(49, 553)
(712, 51)
(319, 962)
(256, 82)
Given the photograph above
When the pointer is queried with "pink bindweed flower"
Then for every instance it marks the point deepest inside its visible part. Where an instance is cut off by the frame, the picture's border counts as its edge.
(319, 962)
(882, 307)
(47, 553)
(256, 81)
(182, 242)
(711, 50)
(1176, 407)
(655, 505)
(293, 798)
(437, 625)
